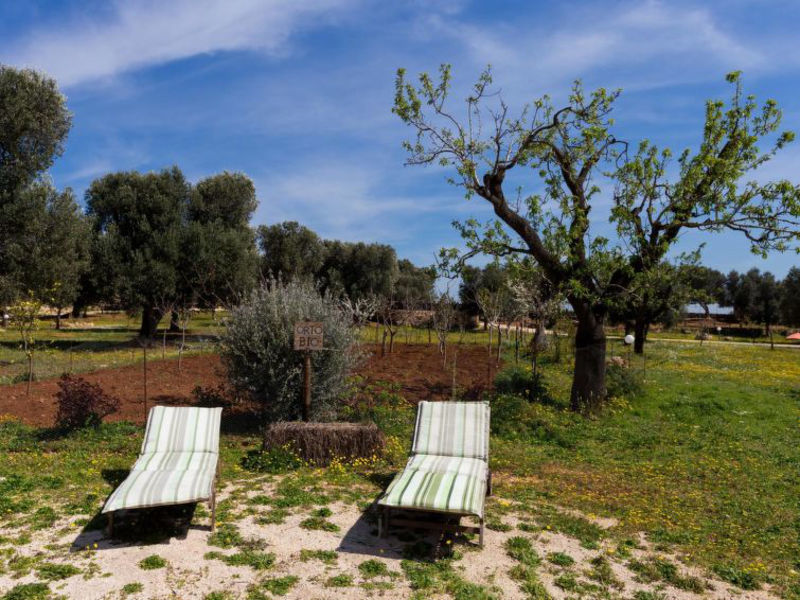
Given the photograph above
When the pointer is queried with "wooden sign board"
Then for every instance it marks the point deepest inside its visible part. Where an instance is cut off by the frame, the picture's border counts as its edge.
(308, 335)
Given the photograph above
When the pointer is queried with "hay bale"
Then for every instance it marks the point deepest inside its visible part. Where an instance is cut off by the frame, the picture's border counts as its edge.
(319, 443)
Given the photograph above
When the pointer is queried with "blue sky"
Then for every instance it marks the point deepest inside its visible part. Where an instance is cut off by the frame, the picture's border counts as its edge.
(297, 93)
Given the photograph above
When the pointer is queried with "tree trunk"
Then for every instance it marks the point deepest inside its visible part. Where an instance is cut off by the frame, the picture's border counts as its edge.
(151, 317)
(58, 318)
(174, 322)
(589, 379)
(540, 337)
(641, 328)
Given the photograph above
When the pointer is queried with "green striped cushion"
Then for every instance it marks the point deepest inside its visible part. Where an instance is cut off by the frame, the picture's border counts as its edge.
(147, 488)
(178, 461)
(452, 429)
(182, 429)
(440, 483)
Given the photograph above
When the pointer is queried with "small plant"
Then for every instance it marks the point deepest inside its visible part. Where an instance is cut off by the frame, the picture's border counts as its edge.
(738, 577)
(341, 580)
(226, 536)
(318, 524)
(623, 382)
(154, 561)
(603, 574)
(561, 559)
(28, 591)
(132, 588)
(280, 586)
(82, 404)
(219, 595)
(373, 568)
(55, 572)
(520, 548)
(329, 557)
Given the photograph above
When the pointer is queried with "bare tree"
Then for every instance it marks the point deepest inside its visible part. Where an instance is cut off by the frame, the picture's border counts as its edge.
(444, 316)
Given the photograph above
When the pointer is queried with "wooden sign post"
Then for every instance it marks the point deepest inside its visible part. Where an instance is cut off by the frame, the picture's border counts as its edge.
(307, 337)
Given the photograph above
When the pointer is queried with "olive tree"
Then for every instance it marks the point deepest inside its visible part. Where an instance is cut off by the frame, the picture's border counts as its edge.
(567, 150)
(258, 350)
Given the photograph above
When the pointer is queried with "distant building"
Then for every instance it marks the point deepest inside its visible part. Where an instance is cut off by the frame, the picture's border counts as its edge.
(715, 311)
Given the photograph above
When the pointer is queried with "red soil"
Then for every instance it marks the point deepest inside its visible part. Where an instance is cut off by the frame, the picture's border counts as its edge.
(416, 368)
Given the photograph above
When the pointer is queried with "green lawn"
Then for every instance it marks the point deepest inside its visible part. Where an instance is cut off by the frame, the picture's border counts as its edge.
(97, 342)
(704, 462)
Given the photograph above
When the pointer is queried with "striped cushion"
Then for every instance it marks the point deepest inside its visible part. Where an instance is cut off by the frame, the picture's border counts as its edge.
(182, 429)
(440, 483)
(161, 487)
(452, 429)
(178, 461)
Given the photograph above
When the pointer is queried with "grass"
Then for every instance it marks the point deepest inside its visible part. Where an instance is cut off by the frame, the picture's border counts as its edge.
(28, 591)
(329, 557)
(98, 342)
(703, 462)
(132, 588)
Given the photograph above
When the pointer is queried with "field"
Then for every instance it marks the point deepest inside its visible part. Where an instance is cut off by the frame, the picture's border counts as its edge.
(685, 488)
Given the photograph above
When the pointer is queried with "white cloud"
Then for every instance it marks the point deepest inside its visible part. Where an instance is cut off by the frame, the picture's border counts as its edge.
(151, 32)
(637, 44)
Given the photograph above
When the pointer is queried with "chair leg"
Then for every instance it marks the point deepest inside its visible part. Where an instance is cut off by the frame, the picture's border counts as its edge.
(214, 508)
(489, 485)
(480, 537)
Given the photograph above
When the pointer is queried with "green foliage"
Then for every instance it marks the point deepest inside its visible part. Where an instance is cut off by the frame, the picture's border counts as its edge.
(289, 250)
(561, 559)
(226, 536)
(258, 350)
(274, 460)
(34, 123)
(341, 580)
(154, 561)
(28, 591)
(520, 380)
(742, 579)
(56, 572)
(280, 586)
(373, 568)
(521, 549)
(514, 418)
(660, 569)
(132, 588)
(317, 523)
(623, 382)
(329, 557)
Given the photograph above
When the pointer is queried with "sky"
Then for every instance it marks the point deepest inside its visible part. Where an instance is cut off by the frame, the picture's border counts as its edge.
(297, 94)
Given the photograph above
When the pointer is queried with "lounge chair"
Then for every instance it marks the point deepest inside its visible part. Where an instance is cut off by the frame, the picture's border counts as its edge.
(448, 471)
(178, 463)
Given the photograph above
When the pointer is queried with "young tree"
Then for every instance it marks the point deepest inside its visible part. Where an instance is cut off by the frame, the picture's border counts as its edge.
(139, 218)
(567, 148)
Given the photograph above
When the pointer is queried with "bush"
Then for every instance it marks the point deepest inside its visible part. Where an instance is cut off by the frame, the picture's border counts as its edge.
(257, 348)
(82, 404)
(522, 382)
(623, 382)
(514, 418)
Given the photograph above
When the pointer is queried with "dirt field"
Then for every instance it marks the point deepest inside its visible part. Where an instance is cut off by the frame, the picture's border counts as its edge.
(416, 368)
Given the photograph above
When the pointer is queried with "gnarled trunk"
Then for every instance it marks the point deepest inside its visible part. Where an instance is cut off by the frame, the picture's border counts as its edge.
(589, 379)
(151, 317)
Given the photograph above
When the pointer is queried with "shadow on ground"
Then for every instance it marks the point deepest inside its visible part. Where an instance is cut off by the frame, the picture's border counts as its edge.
(143, 527)
(401, 543)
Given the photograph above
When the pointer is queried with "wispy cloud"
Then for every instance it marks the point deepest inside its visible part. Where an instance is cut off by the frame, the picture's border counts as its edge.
(149, 32)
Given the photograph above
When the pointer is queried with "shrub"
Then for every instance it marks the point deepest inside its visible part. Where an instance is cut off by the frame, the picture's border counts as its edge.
(257, 348)
(82, 404)
(623, 382)
(521, 381)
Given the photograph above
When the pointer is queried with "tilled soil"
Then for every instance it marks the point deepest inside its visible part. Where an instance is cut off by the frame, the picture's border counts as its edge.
(418, 370)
